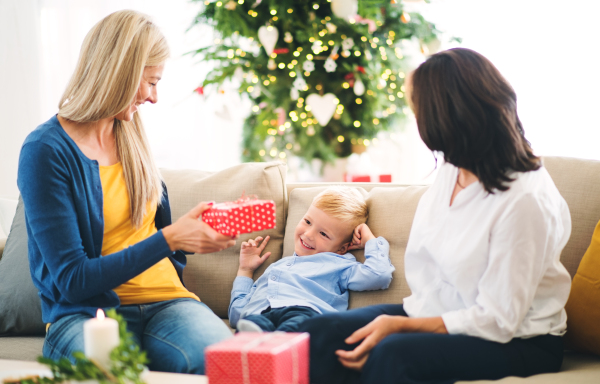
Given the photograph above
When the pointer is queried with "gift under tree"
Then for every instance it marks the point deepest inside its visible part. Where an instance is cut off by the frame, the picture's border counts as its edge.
(323, 75)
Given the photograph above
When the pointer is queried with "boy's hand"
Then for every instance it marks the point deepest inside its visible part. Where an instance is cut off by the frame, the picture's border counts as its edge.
(250, 258)
(361, 235)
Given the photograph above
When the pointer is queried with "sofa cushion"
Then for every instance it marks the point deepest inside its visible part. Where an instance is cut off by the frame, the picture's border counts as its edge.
(578, 181)
(391, 212)
(583, 307)
(211, 276)
(27, 348)
(20, 305)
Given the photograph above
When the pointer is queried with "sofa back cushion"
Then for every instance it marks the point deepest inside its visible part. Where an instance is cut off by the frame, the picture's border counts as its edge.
(391, 212)
(210, 276)
(20, 304)
(578, 181)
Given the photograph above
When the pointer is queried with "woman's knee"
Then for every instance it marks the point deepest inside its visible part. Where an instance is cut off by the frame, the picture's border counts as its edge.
(389, 362)
(168, 356)
(176, 337)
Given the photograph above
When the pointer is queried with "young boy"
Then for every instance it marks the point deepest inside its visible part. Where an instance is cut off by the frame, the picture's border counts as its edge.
(316, 279)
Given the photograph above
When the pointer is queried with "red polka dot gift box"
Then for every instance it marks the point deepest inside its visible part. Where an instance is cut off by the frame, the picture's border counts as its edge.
(259, 358)
(242, 216)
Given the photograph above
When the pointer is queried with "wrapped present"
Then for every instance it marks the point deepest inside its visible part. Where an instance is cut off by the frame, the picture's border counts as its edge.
(259, 358)
(245, 215)
(368, 178)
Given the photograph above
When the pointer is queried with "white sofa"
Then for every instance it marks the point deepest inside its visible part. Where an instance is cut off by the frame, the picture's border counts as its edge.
(392, 207)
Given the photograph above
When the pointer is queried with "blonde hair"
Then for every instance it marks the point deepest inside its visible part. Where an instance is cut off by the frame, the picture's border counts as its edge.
(105, 82)
(343, 203)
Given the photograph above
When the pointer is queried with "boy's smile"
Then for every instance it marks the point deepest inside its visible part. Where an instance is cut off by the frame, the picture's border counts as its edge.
(318, 232)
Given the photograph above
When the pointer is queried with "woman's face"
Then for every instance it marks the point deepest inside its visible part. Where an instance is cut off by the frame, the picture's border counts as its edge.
(146, 92)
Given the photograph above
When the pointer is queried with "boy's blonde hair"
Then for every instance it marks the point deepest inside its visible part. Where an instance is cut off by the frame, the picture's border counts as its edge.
(343, 203)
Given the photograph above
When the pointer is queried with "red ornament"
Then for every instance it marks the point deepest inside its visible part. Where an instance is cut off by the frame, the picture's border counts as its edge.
(360, 69)
(349, 76)
(280, 51)
(199, 90)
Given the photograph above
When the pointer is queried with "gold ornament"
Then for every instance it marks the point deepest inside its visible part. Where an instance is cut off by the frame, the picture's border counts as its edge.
(288, 38)
(231, 5)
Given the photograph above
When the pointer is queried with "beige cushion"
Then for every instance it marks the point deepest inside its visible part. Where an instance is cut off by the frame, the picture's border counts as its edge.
(579, 183)
(211, 276)
(391, 211)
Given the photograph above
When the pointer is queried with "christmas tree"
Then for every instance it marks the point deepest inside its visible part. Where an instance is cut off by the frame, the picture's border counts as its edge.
(324, 75)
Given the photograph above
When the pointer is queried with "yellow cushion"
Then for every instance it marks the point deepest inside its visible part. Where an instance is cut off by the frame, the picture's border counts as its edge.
(583, 307)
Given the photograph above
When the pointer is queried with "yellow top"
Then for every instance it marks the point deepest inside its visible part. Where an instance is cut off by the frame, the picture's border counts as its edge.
(159, 282)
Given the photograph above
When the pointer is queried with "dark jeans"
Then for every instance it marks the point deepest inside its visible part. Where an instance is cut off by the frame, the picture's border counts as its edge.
(286, 319)
(422, 357)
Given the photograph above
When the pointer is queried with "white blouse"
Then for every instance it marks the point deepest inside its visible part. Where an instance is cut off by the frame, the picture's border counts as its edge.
(490, 263)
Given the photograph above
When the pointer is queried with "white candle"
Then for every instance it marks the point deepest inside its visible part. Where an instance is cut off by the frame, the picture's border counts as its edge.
(100, 337)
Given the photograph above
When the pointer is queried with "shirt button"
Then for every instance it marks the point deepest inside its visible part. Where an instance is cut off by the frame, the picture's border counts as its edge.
(288, 264)
(273, 278)
(271, 297)
(380, 242)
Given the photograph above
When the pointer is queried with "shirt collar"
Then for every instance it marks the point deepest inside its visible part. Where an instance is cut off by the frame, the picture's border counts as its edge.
(347, 256)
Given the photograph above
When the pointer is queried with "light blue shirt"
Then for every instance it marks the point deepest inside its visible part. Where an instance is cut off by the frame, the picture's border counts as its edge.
(320, 281)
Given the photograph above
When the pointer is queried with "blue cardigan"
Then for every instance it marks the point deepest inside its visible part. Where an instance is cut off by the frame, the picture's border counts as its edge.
(62, 194)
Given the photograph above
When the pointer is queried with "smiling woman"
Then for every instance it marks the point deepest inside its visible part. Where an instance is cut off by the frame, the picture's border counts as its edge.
(98, 212)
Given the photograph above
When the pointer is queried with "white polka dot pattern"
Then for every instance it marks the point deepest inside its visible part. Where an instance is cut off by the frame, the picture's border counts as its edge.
(245, 216)
(280, 358)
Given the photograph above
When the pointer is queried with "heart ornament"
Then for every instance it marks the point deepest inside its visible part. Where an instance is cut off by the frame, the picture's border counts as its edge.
(322, 107)
(268, 38)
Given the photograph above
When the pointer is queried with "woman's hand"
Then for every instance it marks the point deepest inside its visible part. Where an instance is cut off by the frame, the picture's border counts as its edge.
(193, 235)
(250, 258)
(362, 234)
(371, 334)
(378, 329)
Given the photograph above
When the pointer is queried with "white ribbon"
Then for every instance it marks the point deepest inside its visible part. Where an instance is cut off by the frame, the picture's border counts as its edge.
(256, 342)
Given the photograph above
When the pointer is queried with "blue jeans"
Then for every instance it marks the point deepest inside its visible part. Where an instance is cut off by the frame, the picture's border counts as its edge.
(173, 333)
(286, 319)
(423, 358)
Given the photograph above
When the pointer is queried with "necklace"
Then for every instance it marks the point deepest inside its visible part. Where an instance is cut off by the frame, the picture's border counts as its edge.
(457, 180)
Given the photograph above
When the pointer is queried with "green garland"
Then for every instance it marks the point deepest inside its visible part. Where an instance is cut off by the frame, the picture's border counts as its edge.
(128, 363)
(375, 58)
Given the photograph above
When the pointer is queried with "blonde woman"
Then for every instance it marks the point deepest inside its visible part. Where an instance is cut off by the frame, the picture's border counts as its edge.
(97, 212)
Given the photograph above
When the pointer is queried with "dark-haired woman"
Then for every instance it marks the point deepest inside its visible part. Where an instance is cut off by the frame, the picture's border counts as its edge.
(483, 257)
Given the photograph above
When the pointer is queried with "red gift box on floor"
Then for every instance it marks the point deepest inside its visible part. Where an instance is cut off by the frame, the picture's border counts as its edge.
(259, 358)
(242, 216)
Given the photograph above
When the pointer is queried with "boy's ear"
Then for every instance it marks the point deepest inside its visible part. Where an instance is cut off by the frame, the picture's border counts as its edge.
(343, 248)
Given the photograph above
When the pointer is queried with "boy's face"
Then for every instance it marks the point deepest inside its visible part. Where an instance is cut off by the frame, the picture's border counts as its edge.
(318, 232)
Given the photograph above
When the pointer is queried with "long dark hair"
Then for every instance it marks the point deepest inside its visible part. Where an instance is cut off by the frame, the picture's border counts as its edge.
(468, 111)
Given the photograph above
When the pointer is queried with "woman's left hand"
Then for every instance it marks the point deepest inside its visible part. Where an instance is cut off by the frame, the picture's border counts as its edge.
(371, 334)
(378, 329)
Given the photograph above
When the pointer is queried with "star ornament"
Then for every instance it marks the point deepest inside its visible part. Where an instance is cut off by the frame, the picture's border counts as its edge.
(300, 84)
(330, 65)
(347, 44)
(308, 66)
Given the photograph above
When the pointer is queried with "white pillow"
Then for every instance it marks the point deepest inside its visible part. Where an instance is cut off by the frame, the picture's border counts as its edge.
(8, 207)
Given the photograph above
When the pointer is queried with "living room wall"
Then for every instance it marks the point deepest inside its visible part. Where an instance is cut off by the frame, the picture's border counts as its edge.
(546, 49)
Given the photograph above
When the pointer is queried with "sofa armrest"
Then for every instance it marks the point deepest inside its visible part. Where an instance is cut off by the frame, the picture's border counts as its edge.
(2, 244)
